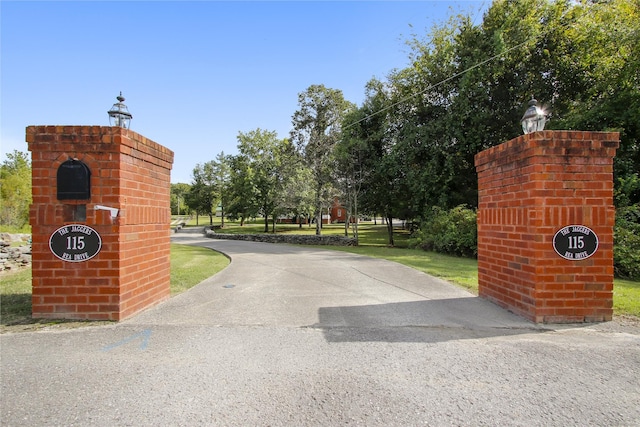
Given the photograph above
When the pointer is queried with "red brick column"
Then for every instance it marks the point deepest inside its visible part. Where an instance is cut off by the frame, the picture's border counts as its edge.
(529, 189)
(131, 271)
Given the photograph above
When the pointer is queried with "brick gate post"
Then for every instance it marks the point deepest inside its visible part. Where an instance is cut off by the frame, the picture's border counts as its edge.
(100, 221)
(545, 225)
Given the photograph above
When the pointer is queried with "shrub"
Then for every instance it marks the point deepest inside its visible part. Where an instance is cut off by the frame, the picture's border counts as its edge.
(626, 243)
(452, 232)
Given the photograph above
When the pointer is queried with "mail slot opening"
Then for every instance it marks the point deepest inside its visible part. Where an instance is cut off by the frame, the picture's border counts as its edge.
(74, 181)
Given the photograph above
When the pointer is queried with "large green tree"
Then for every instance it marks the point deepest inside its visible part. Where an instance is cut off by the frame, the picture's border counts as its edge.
(316, 130)
(297, 196)
(222, 170)
(371, 167)
(463, 93)
(179, 192)
(468, 85)
(204, 193)
(600, 65)
(242, 203)
(268, 164)
(15, 190)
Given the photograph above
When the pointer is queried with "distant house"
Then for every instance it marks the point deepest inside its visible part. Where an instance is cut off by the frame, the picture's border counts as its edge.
(339, 212)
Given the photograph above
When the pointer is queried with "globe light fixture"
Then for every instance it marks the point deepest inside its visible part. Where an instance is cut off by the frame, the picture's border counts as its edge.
(119, 114)
(534, 118)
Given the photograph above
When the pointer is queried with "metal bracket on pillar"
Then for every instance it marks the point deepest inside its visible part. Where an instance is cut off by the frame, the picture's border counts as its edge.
(113, 211)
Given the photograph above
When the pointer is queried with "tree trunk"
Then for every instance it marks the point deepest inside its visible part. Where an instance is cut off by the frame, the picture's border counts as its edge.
(266, 223)
(390, 230)
(318, 209)
(355, 214)
(319, 221)
(347, 222)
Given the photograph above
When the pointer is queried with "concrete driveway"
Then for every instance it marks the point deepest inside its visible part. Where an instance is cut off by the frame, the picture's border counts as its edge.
(289, 336)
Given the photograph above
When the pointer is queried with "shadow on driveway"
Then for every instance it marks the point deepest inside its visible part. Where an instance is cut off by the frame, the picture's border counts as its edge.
(421, 321)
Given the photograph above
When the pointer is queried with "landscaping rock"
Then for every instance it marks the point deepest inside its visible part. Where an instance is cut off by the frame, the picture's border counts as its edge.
(14, 257)
(294, 239)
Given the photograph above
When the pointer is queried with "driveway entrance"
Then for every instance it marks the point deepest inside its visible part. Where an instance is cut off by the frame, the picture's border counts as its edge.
(289, 336)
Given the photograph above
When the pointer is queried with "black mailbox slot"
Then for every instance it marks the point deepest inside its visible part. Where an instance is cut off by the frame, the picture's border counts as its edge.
(74, 181)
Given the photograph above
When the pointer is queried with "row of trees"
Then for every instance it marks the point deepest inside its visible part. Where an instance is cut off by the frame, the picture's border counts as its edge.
(269, 176)
(407, 152)
(410, 146)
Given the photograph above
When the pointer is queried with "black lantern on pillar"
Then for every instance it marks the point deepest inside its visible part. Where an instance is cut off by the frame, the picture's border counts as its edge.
(534, 118)
(119, 114)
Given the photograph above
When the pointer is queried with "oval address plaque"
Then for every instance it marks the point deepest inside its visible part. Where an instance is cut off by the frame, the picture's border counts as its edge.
(75, 243)
(575, 242)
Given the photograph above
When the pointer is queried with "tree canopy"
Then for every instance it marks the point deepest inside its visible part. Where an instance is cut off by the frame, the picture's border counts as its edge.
(316, 131)
(15, 190)
(467, 88)
(266, 159)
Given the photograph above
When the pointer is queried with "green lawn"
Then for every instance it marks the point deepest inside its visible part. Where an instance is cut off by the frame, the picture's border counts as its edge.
(626, 297)
(461, 271)
(190, 265)
(15, 297)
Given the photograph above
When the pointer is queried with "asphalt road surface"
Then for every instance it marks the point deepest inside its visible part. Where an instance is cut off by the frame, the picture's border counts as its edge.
(289, 336)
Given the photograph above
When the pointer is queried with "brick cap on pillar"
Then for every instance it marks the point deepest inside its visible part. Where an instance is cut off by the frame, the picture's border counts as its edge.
(563, 141)
(71, 139)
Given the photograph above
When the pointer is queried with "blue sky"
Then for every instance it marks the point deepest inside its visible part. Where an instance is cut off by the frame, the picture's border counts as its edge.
(194, 74)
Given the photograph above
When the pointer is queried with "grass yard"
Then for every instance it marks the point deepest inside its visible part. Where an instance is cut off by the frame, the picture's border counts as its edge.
(15, 297)
(626, 297)
(461, 271)
(190, 265)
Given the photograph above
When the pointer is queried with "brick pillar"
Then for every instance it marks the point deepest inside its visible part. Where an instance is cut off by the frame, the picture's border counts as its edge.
(531, 188)
(131, 270)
